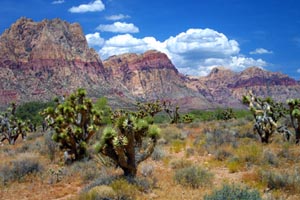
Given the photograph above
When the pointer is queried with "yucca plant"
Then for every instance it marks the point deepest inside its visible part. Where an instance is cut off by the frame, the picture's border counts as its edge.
(11, 127)
(129, 141)
(294, 111)
(267, 113)
(73, 121)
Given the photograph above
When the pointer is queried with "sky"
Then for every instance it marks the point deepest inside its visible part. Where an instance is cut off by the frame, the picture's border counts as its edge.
(197, 35)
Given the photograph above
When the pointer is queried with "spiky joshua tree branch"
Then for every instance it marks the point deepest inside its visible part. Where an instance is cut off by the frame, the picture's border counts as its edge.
(129, 141)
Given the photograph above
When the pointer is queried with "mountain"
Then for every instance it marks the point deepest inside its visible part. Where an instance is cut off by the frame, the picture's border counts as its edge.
(226, 87)
(152, 76)
(40, 60)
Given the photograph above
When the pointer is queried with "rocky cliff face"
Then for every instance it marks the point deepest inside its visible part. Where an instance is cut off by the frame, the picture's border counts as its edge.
(152, 76)
(39, 60)
(227, 87)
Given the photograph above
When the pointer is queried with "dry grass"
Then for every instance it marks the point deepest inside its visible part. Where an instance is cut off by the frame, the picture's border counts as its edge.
(228, 150)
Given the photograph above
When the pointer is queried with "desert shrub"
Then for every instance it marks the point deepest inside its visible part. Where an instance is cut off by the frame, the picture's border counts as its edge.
(147, 170)
(180, 163)
(274, 180)
(158, 153)
(234, 165)
(88, 170)
(270, 158)
(250, 153)
(57, 174)
(189, 152)
(195, 124)
(222, 154)
(17, 169)
(171, 133)
(102, 192)
(102, 179)
(288, 181)
(218, 137)
(230, 192)
(124, 189)
(51, 146)
(178, 145)
(30, 147)
(193, 177)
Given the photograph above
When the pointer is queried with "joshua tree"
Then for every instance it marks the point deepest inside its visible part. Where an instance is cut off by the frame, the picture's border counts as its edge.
(172, 112)
(129, 142)
(187, 118)
(294, 111)
(11, 127)
(266, 113)
(149, 108)
(74, 122)
(225, 114)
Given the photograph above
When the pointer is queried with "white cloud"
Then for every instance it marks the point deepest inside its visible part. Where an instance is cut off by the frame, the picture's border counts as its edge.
(122, 44)
(117, 17)
(90, 7)
(194, 52)
(118, 27)
(202, 42)
(95, 39)
(261, 51)
(58, 2)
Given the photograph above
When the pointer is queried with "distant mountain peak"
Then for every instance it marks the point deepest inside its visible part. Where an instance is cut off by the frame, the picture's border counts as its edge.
(40, 60)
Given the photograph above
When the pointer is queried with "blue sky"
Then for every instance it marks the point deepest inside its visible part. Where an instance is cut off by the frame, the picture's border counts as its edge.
(197, 35)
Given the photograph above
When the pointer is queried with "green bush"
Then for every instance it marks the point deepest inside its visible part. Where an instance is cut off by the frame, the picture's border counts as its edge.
(30, 111)
(101, 192)
(232, 192)
(193, 177)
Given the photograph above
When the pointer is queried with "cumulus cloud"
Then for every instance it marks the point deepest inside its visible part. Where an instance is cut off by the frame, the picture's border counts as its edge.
(203, 43)
(58, 2)
(90, 7)
(261, 51)
(117, 17)
(118, 27)
(95, 39)
(195, 51)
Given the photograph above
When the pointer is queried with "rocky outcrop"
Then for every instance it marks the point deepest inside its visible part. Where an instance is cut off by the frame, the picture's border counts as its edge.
(152, 76)
(39, 60)
(226, 87)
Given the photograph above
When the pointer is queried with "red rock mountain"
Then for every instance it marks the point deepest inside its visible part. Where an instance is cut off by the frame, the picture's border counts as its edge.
(226, 87)
(40, 60)
(152, 76)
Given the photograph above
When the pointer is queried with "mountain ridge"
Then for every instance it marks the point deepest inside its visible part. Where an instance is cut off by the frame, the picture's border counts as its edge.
(40, 60)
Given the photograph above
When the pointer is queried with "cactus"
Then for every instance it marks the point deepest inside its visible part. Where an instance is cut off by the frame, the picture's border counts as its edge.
(225, 114)
(294, 111)
(11, 127)
(129, 142)
(149, 108)
(73, 121)
(266, 113)
(172, 112)
(187, 118)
